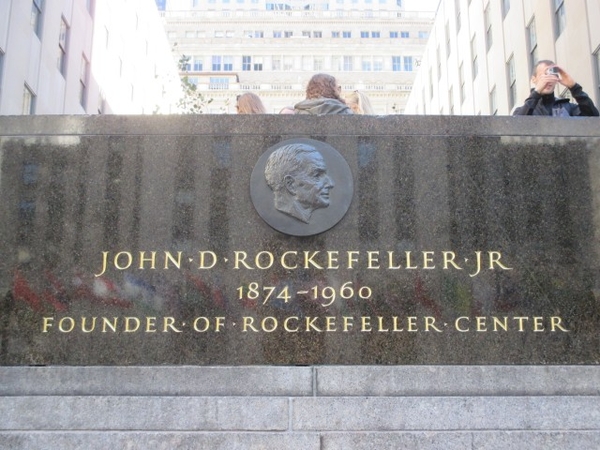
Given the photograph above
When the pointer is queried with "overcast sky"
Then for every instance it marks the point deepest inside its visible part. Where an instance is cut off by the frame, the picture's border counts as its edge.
(421, 5)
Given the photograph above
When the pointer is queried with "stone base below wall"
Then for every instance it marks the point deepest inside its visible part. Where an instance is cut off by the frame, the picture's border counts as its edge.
(323, 407)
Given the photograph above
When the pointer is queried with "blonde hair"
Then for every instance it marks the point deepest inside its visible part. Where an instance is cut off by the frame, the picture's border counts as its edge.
(359, 103)
(250, 103)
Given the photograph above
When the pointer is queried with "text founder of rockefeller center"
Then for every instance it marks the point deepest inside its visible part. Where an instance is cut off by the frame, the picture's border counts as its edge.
(297, 175)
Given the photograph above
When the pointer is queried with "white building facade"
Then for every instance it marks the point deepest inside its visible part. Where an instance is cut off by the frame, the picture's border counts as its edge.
(273, 49)
(84, 57)
(481, 53)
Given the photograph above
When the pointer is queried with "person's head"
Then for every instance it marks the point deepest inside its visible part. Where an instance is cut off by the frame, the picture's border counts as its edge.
(297, 175)
(359, 103)
(541, 70)
(287, 110)
(323, 85)
(249, 103)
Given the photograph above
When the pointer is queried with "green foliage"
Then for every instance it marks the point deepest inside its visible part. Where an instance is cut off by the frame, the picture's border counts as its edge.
(192, 101)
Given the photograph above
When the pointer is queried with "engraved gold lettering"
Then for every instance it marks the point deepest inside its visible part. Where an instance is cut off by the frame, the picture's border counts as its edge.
(169, 324)
(521, 320)
(128, 324)
(495, 259)
(430, 323)
(330, 323)
(106, 324)
(104, 264)
(449, 259)
(310, 324)
(395, 321)
(128, 260)
(284, 264)
(308, 260)
(83, 328)
(177, 262)
(270, 259)
(412, 324)
(480, 321)
(151, 259)
(265, 321)
(203, 260)
(380, 328)
(352, 258)
(408, 266)
(219, 323)
(457, 324)
(70, 324)
(348, 322)
(202, 324)
(47, 323)
(478, 259)
(248, 323)
(391, 261)
(240, 258)
(365, 323)
(538, 324)
(287, 328)
(332, 258)
(556, 322)
(499, 324)
(150, 324)
(428, 259)
(373, 260)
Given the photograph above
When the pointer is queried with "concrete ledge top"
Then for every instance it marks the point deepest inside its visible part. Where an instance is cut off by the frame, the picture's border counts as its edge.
(223, 124)
(303, 381)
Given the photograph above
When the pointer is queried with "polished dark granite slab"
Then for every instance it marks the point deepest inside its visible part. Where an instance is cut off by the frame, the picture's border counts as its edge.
(447, 240)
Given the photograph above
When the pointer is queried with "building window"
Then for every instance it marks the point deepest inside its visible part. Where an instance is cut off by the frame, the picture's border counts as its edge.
(560, 19)
(461, 80)
(306, 34)
(378, 63)
(218, 83)
(396, 63)
(512, 82)
(532, 45)
(198, 63)
(393, 35)
(36, 17)
(505, 7)
(277, 34)
(458, 19)
(257, 66)
(493, 107)
(375, 34)
(288, 34)
(336, 63)
(597, 73)
(366, 64)
(318, 63)
(406, 34)
(247, 63)
(219, 33)
(63, 39)
(364, 34)
(28, 101)
(216, 63)
(275, 62)
(448, 46)
(335, 34)
(317, 34)
(488, 27)
(228, 63)
(346, 34)
(408, 63)
(474, 63)
(288, 63)
(423, 35)
(83, 81)
(348, 66)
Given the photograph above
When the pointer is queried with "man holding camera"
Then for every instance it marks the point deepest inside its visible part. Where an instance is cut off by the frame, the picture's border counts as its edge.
(542, 102)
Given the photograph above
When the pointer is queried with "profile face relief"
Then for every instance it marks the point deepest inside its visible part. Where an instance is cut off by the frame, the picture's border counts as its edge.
(313, 183)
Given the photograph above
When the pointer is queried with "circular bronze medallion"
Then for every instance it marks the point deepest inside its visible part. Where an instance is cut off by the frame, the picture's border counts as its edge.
(301, 187)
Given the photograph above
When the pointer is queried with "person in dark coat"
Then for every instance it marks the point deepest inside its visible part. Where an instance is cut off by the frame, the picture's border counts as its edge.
(542, 102)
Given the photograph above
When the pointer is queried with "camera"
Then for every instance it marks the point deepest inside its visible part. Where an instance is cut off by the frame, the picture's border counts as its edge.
(553, 71)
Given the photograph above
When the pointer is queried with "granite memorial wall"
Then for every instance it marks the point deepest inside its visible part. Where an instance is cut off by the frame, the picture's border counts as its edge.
(230, 240)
